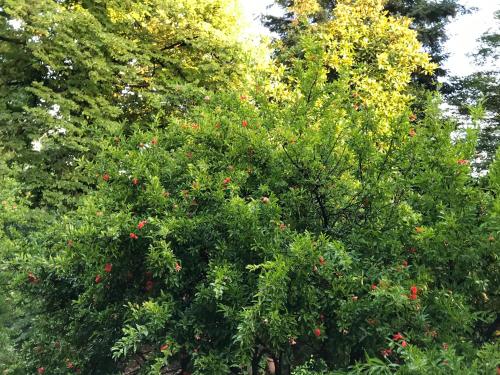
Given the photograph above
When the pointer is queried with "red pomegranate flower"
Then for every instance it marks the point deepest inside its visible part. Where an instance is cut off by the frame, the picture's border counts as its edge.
(135, 181)
(133, 236)
(413, 289)
(105, 177)
(164, 347)
(40, 370)
(108, 267)
(227, 180)
(244, 123)
(404, 344)
(317, 332)
(374, 286)
(141, 224)
(397, 336)
(462, 162)
(98, 279)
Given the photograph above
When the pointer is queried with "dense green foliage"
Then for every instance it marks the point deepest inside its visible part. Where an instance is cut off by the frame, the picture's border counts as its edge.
(294, 216)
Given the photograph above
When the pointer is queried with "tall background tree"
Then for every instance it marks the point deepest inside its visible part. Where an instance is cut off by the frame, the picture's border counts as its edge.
(482, 88)
(74, 71)
(429, 19)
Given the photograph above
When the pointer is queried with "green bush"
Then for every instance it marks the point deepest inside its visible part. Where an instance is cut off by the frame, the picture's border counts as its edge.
(311, 222)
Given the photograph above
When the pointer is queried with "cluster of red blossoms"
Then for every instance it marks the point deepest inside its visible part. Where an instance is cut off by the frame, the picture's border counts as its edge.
(413, 292)
(396, 337)
(141, 225)
(399, 337)
(107, 268)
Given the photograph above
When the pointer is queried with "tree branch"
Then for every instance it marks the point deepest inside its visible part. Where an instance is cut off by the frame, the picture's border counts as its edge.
(11, 40)
(181, 43)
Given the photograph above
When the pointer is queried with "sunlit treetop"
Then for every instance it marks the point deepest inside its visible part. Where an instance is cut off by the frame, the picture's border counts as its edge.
(372, 52)
(379, 52)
